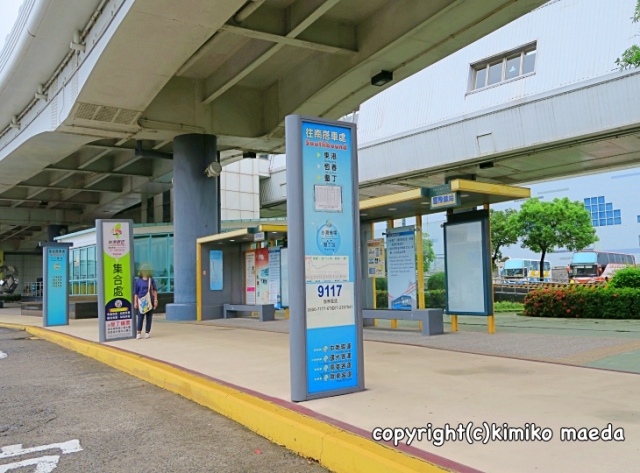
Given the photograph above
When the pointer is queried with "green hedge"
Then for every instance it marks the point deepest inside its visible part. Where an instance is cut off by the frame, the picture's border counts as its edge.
(507, 306)
(584, 302)
(436, 282)
(432, 299)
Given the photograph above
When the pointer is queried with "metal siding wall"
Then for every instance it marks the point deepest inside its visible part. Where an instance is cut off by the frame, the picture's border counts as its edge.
(577, 40)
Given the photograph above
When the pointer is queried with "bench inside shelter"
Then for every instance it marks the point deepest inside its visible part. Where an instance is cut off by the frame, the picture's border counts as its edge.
(266, 312)
(432, 319)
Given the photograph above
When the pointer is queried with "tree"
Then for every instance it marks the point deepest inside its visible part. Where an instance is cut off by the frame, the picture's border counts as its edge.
(504, 231)
(428, 255)
(631, 57)
(548, 226)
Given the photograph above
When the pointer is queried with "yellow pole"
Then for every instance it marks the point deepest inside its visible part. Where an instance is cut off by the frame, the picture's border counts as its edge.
(492, 320)
(394, 322)
(373, 281)
(454, 323)
(199, 282)
(286, 313)
(420, 265)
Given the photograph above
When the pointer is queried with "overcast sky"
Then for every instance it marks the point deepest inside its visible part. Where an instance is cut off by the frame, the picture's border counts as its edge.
(8, 14)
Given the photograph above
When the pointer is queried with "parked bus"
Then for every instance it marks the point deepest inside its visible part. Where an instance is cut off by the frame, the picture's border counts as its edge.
(588, 267)
(521, 271)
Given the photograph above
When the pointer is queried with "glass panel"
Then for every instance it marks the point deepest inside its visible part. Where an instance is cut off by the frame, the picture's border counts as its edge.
(610, 221)
(594, 223)
(76, 288)
(601, 200)
(609, 206)
(587, 201)
(91, 262)
(594, 200)
(481, 78)
(587, 208)
(83, 263)
(529, 64)
(617, 221)
(601, 207)
(603, 222)
(616, 213)
(170, 257)
(495, 73)
(141, 249)
(83, 288)
(603, 215)
(158, 259)
(513, 67)
(76, 265)
(609, 213)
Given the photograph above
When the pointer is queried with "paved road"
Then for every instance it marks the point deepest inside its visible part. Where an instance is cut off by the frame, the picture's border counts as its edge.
(49, 395)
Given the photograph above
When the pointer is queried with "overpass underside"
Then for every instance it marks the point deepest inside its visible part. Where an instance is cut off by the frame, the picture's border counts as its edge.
(585, 128)
(100, 135)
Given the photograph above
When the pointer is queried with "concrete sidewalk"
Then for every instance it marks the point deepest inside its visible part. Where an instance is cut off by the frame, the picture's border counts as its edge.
(411, 386)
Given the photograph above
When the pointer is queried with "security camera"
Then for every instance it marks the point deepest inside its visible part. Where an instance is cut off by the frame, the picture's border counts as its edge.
(214, 169)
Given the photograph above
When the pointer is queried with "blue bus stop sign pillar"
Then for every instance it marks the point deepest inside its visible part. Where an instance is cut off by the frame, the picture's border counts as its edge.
(324, 258)
(55, 286)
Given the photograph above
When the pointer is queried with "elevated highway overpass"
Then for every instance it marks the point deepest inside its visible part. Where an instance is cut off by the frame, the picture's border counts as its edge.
(104, 103)
(93, 93)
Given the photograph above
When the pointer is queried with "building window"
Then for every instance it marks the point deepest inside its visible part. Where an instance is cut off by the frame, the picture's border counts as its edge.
(509, 66)
(602, 213)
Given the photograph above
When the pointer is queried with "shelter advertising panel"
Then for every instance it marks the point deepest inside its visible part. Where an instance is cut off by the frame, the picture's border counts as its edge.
(250, 277)
(215, 270)
(115, 279)
(401, 263)
(55, 293)
(274, 278)
(326, 329)
(468, 264)
(262, 276)
(376, 258)
(284, 276)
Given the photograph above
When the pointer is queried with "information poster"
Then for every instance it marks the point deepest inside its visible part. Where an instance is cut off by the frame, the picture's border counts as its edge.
(274, 277)
(284, 277)
(376, 258)
(329, 257)
(401, 267)
(115, 279)
(215, 270)
(262, 276)
(250, 277)
(56, 292)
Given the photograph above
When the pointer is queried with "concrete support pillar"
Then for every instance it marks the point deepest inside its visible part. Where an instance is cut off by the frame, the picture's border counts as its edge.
(157, 208)
(197, 213)
(144, 208)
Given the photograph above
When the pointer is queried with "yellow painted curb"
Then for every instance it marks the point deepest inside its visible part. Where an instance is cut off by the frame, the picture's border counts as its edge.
(335, 449)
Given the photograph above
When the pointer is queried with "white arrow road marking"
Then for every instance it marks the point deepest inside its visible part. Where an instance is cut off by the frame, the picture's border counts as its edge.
(70, 446)
(2, 355)
(43, 464)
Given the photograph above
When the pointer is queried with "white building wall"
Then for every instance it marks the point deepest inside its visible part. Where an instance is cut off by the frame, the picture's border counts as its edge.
(240, 190)
(577, 40)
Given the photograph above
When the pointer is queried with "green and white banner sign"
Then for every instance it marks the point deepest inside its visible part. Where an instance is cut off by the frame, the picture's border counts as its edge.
(115, 279)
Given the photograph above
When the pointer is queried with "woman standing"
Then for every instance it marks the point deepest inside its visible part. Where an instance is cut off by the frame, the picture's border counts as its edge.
(145, 306)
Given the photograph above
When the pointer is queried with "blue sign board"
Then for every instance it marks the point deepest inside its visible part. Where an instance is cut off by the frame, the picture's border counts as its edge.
(215, 270)
(445, 201)
(55, 290)
(325, 264)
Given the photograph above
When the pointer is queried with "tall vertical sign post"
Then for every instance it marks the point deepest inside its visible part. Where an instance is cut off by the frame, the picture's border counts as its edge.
(115, 279)
(324, 258)
(55, 286)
